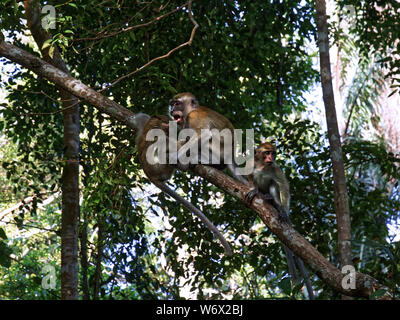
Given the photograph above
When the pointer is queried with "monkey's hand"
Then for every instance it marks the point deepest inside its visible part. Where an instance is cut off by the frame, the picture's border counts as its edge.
(255, 192)
(182, 167)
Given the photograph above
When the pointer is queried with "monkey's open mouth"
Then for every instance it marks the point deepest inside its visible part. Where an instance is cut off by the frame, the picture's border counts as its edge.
(178, 116)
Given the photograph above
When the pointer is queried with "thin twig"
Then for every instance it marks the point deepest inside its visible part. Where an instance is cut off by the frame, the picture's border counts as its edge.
(187, 43)
(102, 31)
(42, 113)
(135, 26)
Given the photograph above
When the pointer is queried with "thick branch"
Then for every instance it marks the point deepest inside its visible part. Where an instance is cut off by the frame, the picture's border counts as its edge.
(16, 206)
(332, 276)
(65, 81)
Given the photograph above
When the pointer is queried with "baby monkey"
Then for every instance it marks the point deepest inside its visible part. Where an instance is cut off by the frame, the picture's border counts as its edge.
(159, 172)
(269, 181)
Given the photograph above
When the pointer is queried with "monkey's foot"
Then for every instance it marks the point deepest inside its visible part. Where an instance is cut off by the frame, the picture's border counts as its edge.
(283, 217)
(266, 196)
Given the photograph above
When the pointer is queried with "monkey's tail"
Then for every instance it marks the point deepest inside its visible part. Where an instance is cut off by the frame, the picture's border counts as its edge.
(198, 213)
(291, 257)
(291, 264)
(304, 273)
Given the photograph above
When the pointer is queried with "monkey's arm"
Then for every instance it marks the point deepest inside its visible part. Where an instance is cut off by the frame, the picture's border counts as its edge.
(254, 190)
(284, 192)
(193, 146)
(279, 190)
(198, 213)
(174, 156)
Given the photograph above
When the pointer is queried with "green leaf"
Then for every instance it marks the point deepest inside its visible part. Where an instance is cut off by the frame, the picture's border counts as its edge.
(46, 44)
(3, 234)
(378, 294)
(51, 52)
(5, 252)
(286, 286)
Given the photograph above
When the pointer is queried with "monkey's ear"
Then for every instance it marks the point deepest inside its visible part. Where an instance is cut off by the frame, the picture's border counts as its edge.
(195, 103)
(165, 125)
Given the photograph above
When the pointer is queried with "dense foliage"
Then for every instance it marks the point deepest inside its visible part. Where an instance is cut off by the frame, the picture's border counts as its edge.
(252, 61)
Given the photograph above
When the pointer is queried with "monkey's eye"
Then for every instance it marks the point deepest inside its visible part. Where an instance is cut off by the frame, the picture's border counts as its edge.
(269, 153)
(175, 103)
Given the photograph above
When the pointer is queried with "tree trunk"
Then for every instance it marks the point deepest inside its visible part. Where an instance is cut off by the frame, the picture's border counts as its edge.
(70, 176)
(339, 179)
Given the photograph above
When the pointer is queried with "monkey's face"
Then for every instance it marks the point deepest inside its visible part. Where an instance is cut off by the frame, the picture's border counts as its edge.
(181, 105)
(176, 106)
(269, 157)
(265, 154)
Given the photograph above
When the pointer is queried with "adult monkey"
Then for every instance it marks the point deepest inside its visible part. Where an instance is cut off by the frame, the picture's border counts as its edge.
(157, 169)
(187, 112)
(268, 179)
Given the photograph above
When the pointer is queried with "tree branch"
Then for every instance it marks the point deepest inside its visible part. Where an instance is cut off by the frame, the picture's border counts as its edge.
(146, 24)
(65, 81)
(332, 276)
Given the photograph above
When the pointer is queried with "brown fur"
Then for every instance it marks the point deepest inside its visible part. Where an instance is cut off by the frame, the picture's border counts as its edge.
(197, 117)
(269, 179)
(160, 173)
